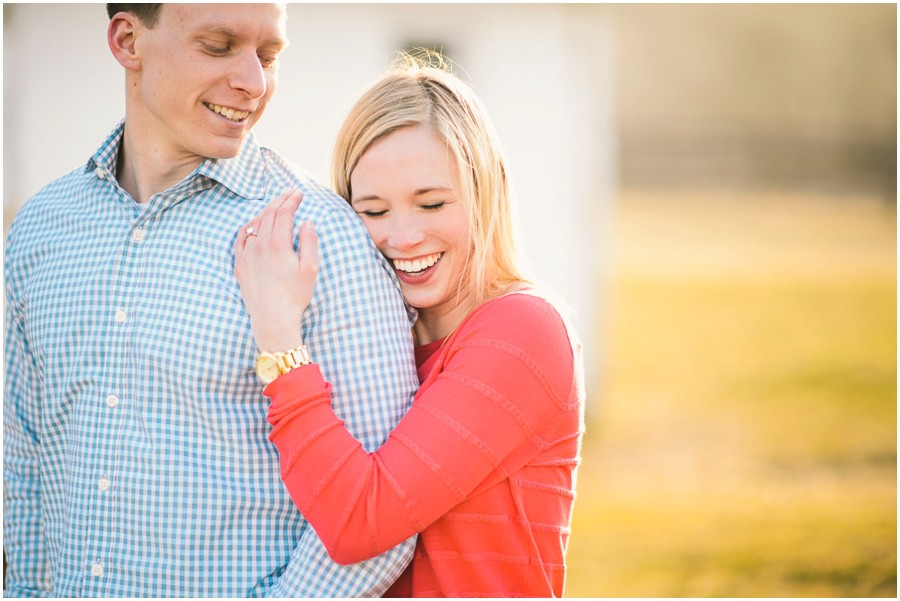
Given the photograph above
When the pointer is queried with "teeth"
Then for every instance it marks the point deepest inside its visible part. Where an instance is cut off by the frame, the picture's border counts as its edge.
(230, 114)
(418, 264)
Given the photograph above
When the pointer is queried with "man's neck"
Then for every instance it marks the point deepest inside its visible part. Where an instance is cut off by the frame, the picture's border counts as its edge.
(143, 170)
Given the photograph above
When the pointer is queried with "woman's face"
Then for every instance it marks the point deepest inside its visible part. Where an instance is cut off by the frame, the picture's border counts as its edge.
(406, 189)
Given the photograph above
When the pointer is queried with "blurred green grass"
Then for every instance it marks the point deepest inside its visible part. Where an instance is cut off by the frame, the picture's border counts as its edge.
(743, 441)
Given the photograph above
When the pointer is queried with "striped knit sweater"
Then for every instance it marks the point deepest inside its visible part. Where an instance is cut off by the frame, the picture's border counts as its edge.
(482, 466)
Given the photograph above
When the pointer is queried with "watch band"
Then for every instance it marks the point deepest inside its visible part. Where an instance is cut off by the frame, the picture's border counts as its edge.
(294, 358)
(271, 365)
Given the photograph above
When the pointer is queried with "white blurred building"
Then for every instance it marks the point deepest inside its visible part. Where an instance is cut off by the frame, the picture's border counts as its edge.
(544, 71)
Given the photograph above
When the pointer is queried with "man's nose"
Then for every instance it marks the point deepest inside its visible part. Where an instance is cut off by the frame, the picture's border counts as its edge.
(249, 75)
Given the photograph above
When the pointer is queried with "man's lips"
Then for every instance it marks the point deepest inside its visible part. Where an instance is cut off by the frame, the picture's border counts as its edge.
(229, 113)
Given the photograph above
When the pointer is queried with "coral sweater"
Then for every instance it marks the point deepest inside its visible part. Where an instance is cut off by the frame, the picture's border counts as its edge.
(482, 466)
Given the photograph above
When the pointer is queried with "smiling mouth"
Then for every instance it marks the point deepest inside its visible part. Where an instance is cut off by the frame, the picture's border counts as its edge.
(228, 113)
(417, 266)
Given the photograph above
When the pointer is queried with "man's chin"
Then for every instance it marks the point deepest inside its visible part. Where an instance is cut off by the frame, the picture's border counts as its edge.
(227, 150)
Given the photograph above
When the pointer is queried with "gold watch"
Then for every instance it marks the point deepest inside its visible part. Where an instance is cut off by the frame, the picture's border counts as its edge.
(271, 365)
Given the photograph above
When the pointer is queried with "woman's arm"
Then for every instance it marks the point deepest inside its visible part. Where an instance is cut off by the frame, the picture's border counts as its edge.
(501, 398)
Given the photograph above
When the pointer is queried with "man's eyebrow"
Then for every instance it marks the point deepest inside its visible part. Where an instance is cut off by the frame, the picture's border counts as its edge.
(216, 29)
(277, 42)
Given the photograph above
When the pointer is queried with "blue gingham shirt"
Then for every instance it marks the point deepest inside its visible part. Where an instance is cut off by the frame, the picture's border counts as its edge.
(136, 457)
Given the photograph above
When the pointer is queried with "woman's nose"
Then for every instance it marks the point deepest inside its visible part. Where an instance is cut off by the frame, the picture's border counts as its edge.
(406, 233)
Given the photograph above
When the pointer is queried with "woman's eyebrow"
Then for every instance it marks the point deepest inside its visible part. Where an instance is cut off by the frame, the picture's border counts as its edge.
(421, 191)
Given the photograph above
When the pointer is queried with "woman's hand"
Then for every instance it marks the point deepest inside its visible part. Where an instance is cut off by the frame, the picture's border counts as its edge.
(276, 282)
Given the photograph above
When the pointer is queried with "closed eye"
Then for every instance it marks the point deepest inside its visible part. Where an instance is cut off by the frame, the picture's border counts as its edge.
(216, 50)
(433, 206)
(372, 213)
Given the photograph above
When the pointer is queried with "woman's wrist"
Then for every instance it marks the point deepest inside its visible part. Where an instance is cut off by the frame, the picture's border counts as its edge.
(273, 338)
(279, 345)
(271, 365)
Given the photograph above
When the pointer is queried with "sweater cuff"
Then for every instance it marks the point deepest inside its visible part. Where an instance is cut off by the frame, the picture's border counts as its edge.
(298, 385)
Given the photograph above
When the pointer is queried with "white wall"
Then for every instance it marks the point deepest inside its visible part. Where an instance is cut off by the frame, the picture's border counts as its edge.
(544, 72)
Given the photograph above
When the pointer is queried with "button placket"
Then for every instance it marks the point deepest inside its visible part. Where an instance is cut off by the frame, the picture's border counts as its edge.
(100, 546)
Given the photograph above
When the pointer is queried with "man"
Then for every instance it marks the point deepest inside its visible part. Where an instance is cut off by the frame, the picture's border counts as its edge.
(136, 458)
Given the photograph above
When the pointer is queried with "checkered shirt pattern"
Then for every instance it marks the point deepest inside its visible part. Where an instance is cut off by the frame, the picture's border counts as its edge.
(136, 457)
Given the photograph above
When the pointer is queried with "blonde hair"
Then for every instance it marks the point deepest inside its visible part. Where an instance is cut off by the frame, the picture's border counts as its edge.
(420, 90)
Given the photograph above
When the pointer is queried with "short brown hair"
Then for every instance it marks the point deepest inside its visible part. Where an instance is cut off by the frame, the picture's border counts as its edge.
(147, 13)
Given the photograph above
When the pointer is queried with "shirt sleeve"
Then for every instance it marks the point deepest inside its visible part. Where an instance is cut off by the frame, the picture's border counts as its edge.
(357, 328)
(27, 570)
(502, 395)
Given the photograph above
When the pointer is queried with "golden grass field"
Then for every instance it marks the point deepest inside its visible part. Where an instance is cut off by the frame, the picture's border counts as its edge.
(742, 441)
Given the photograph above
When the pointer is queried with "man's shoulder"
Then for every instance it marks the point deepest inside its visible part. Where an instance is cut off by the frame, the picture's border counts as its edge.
(347, 252)
(319, 201)
(54, 196)
(30, 233)
(283, 173)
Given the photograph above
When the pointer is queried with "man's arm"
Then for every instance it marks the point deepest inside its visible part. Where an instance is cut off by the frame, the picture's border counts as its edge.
(27, 570)
(358, 330)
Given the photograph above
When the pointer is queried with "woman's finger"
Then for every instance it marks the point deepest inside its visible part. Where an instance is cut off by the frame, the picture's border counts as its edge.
(308, 250)
(267, 217)
(244, 234)
(283, 227)
(239, 244)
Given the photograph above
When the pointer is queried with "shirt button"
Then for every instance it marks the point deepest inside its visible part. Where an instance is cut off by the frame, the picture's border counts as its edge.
(138, 234)
(97, 569)
(112, 400)
(103, 484)
(101, 172)
(120, 316)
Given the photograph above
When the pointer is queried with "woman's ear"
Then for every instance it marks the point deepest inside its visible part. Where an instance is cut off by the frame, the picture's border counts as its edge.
(120, 35)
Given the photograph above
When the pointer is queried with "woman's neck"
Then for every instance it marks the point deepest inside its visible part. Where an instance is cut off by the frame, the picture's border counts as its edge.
(435, 323)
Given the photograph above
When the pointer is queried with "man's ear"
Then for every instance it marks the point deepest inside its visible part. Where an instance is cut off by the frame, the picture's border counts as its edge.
(121, 35)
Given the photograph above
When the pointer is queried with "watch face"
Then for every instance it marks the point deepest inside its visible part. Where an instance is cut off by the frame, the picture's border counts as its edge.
(267, 368)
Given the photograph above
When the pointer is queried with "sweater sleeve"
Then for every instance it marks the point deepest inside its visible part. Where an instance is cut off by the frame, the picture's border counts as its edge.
(497, 400)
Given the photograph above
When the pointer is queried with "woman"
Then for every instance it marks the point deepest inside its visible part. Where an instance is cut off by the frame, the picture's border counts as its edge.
(483, 465)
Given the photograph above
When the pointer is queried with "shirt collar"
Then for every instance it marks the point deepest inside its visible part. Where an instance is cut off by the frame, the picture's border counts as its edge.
(245, 174)
(106, 156)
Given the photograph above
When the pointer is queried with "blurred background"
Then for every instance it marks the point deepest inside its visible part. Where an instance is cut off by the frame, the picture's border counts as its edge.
(711, 188)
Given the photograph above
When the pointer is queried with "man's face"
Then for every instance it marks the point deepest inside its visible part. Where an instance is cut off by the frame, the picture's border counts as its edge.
(207, 73)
